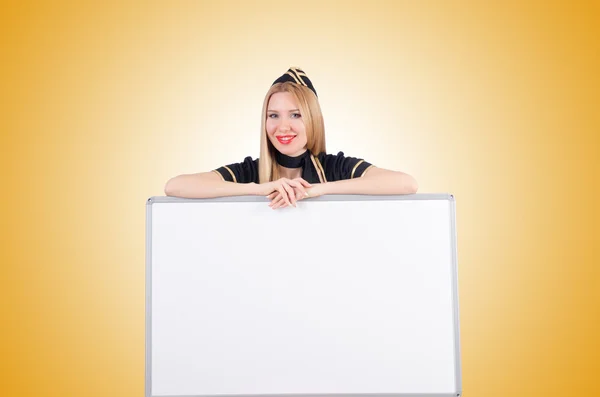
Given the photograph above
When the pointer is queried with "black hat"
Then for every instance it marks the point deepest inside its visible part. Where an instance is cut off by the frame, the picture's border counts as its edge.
(296, 75)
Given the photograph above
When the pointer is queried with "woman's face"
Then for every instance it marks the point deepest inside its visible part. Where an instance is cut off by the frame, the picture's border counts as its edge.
(285, 127)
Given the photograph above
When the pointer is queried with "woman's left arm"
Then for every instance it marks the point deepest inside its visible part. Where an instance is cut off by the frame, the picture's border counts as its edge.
(375, 181)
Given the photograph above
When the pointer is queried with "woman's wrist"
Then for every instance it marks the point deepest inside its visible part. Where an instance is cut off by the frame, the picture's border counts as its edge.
(318, 189)
(253, 189)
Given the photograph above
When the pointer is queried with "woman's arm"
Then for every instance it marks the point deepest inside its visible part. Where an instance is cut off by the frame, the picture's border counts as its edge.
(207, 185)
(375, 181)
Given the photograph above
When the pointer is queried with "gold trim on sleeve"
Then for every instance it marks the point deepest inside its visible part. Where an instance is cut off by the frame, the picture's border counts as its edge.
(365, 171)
(355, 167)
(221, 175)
(231, 172)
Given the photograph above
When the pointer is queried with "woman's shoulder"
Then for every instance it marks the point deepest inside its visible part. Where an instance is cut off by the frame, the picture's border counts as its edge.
(339, 166)
(335, 158)
(248, 161)
(242, 172)
(324, 155)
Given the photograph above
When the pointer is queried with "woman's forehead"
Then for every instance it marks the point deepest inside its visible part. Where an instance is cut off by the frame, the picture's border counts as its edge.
(282, 100)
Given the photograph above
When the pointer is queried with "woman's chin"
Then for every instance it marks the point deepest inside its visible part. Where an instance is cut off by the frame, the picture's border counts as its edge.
(291, 151)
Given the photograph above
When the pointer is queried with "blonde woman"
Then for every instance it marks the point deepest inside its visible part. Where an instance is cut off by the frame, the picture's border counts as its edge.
(293, 162)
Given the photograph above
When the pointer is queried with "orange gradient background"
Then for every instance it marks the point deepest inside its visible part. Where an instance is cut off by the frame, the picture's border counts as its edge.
(497, 103)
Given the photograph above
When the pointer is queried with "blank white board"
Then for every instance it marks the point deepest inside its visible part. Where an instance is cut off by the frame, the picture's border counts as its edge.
(341, 295)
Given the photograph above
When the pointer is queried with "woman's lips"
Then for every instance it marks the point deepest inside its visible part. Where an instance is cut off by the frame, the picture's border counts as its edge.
(285, 139)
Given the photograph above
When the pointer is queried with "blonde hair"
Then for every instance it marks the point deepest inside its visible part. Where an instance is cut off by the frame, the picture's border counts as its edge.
(312, 117)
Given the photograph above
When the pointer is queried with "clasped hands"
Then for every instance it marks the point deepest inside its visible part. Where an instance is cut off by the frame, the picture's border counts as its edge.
(287, 192)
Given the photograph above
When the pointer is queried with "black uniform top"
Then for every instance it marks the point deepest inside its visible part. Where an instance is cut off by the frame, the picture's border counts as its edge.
(315, 169)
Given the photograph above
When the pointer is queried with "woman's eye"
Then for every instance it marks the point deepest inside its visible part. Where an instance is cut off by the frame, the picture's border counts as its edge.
(296, 115)
(272, 115)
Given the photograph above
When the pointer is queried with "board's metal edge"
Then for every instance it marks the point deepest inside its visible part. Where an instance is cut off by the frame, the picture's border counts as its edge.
(329, 197)
(453, 231)
(148, 302)
(163, 199)
(321, 395)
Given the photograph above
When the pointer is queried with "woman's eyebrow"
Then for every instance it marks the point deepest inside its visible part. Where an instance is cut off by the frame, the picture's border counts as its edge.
(275, 111)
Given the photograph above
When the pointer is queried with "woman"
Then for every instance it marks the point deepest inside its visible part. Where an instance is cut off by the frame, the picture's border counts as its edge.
(293, 162)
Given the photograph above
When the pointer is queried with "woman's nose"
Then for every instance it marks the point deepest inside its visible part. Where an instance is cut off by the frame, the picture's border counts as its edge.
(284, 126)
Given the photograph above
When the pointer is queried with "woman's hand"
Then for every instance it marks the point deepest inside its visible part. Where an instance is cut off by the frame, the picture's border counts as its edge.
(289, 190)
(277, 200)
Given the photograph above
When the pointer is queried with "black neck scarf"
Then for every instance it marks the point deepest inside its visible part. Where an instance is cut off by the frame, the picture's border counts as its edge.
(292, 162)
(309, 172)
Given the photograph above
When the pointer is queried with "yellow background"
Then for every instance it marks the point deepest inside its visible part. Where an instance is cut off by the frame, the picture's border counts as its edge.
(497, 103)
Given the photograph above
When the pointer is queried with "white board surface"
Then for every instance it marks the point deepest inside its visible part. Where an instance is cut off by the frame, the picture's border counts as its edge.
(342, 295)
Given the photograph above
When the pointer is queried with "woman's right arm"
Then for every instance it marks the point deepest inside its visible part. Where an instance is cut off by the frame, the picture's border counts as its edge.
(207, 185)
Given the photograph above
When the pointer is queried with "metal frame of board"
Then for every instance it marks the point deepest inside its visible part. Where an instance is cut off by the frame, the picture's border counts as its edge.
(421, 196)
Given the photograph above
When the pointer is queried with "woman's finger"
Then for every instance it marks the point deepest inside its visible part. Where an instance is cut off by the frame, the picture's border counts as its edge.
(301, 195)
(279, 204)
(291, 195)
(284, 193)
(276, 200)
(303, 182)
(272, 195)
(298, 186)
(276, 197)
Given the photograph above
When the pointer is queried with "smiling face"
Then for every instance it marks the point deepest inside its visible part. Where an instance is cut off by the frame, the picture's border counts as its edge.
(284, 124)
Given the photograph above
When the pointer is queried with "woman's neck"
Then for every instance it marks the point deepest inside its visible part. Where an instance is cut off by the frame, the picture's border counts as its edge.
(290, 173)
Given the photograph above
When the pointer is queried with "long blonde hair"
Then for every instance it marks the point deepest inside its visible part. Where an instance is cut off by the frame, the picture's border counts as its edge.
(312, 117)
